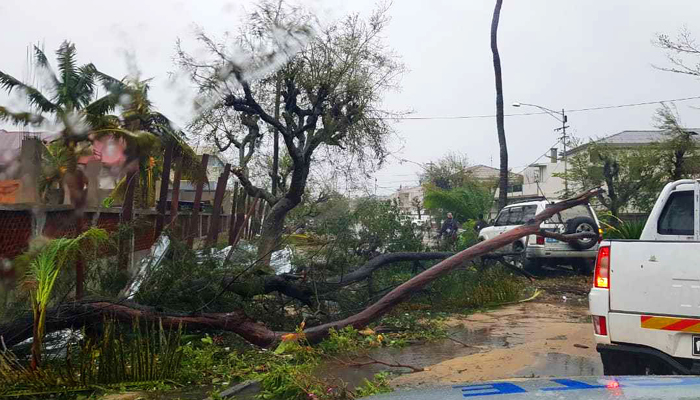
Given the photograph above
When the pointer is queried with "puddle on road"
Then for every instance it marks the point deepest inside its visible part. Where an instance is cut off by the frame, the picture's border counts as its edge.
(559, 364)
(515, 341)
(417, 355)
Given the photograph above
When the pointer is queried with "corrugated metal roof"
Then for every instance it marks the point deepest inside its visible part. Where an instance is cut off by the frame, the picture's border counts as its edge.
(634, 138)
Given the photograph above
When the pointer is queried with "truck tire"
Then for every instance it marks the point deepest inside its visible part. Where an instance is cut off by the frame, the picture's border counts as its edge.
(579, 225)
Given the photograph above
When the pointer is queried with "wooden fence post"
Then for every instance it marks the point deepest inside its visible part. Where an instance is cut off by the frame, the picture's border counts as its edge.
(214, 222)
(126, 238)
(240, 214)
(194, 219)
(164, 183)
(175, 199)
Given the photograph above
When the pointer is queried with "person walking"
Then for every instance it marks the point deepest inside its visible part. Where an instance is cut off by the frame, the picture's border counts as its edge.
(449, 227)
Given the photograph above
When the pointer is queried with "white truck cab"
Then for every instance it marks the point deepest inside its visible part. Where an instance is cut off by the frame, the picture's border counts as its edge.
(645, 300)
(531, 252)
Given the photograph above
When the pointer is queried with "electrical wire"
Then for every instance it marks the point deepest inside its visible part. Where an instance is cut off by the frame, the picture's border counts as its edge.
(646, 103)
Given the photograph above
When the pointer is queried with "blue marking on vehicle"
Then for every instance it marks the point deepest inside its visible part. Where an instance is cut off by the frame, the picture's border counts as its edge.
(497, 388)
(570, 384)
(490, 389)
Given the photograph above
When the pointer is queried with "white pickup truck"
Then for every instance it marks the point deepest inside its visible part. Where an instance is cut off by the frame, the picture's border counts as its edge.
(645, 300)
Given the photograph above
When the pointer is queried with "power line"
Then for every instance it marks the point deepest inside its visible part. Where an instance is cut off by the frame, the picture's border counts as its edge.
(646, 103)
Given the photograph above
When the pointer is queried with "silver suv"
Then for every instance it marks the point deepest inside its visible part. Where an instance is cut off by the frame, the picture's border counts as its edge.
(532, 252)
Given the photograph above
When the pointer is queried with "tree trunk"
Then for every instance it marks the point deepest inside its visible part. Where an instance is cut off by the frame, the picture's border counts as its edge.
(503, 179)
(276, 136)
(272, 229)
(36, 342)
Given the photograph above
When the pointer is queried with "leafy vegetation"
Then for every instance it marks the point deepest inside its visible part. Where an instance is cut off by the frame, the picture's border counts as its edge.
(43, 273)
(116, 357)
(470, 201)
(615, 228)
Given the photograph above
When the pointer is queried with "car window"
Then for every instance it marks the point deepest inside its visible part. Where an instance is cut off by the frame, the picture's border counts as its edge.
(502, 218)
(529, 213)
(516, 216)
(677, 217)
(571, 213)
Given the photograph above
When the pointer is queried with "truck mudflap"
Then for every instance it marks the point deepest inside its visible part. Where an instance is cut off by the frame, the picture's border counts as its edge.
(649, 360)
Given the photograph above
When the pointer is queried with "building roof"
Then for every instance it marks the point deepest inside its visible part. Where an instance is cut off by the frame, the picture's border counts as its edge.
(633, 138)
(484, 171)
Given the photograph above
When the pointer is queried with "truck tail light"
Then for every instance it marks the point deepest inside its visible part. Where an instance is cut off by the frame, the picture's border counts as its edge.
(602, 268)
(600, 326)
(540, 240)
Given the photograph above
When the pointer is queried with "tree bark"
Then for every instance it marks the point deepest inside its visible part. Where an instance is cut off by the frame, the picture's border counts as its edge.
(273, 228)
(276, 136)
(503, 178)
(164, 184)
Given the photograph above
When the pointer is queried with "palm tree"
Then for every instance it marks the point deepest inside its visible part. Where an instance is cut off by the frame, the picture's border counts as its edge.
(43, 272)
(146, 131)
(71, 100)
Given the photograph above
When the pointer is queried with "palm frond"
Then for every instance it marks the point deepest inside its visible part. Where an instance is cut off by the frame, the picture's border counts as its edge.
(68, 71)
(9, 83)
(104, 105)
(85, 84)
(110, 83)
(20, 118)
(43, 62)
(465, 203)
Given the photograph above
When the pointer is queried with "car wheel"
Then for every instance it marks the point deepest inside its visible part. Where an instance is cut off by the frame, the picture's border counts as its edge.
(518, 259)
(581, 225)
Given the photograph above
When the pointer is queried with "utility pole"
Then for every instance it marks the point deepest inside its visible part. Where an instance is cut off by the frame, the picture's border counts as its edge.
(564, 119)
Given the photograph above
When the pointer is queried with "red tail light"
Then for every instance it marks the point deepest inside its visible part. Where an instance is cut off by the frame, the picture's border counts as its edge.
(602, 268)
(540, 239)
(600, 326)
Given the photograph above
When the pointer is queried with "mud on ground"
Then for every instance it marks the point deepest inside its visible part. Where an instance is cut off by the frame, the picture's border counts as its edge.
(549, 336)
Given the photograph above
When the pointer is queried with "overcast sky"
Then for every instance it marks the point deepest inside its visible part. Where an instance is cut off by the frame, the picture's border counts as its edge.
(559, 54)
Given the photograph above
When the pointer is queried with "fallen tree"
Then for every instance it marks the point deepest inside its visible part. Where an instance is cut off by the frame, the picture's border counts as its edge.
(81, 313)
(297, 287)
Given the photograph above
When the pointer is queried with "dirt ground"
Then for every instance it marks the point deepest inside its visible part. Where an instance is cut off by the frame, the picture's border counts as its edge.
(549, 336)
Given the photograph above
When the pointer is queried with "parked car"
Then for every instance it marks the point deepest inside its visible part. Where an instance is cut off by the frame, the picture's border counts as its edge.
(532, 252)
(645, 300)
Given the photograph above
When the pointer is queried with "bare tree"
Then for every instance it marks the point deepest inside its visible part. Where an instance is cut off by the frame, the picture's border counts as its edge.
(503, 179)
(331, 93)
